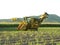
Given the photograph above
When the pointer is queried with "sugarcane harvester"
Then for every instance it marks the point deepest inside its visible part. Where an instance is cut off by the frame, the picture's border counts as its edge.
(32, 23)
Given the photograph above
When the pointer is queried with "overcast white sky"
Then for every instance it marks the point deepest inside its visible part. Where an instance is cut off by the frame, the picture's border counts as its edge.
(21, 8)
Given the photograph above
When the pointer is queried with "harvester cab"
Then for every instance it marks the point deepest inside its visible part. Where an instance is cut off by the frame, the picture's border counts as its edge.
(27, 19)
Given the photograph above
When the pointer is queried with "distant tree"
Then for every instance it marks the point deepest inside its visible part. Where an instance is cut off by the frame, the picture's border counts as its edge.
(14, 19)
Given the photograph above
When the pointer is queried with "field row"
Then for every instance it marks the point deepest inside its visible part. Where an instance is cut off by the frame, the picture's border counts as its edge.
(29, 38)
(39, 29)
(42, 25)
